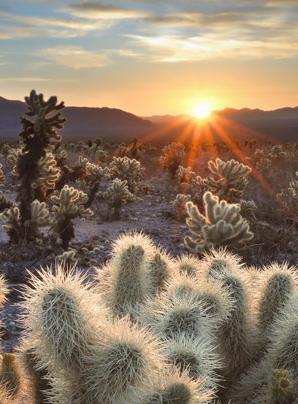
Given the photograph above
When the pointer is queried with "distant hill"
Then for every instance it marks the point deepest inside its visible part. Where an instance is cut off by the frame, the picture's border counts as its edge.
(278, 125)
(82, 123)
(116, 125)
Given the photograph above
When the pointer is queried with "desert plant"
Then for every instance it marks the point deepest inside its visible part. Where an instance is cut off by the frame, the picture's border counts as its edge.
(125, 357)
(172, 157)
(116, 195)
(170, 386)
(216, 262)
(161, 269)
(127, 169)
(10, 375)
(228, 179)
(179, 206)
(276, 285)
(67, 205)
(222, 224)
(39, 135)
(127, 281)
(2, 177)
(188, 264)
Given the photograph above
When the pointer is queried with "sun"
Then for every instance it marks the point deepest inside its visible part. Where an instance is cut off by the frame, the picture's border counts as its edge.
(203, 110)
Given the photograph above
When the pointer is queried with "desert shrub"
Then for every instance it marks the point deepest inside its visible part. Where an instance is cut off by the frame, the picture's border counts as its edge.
(127, 169)
(222, 224)
(172, 157)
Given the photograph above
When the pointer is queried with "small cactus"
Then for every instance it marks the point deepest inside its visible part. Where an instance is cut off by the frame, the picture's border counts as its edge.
(222, 224)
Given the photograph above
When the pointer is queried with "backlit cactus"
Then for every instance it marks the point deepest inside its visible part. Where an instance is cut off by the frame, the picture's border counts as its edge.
(179, 206)
(222, 224)
(116, 195)
(69, 204)
(10, 375)
(127, 169)
(228, 179)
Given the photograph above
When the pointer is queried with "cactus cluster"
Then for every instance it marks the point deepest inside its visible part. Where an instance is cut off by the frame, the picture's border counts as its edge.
(154, 329)
(221, 224)
(228, 179)
(127, 169)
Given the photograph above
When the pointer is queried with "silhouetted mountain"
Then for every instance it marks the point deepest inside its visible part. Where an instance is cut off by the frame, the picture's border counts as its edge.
(82, 123)
(117, 125)
(239, 124)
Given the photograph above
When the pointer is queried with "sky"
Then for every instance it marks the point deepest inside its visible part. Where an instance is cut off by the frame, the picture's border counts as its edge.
(151, 56)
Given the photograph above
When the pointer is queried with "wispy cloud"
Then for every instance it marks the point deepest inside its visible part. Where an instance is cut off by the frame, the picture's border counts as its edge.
(75, 57)
(96, 10)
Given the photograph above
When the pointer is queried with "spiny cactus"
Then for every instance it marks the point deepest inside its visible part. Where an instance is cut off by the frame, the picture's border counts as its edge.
(216, 262)
(59, 308)
(185, 175)
(116, 195)
(171, 386)
(282, 387)
(228, 179)
(4, 203)
(92, 175)
(171, 317)
(127, 283)
(11, 220)
(10, 375)
(276, 285)
(172, 157)
(222, 224)
(197, 357)
(127, 169)
(124, 358)
(236, 334)
(40, 125)
(179, 206)
(188, 264)
(48, 174)
(69, 204)
(2, 177)
(160, 269)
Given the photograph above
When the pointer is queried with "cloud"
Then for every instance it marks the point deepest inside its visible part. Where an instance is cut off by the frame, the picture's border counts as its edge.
(197, 48)
(95, 10)
(75, 57)
(16, 26)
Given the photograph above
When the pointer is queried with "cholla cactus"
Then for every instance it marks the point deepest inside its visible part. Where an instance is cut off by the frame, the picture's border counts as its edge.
(161, 268)
(11, 220)
(4, 203)
(172, 157)
(228, 179)
(188, 265)
(39, 136)
(179, 206)
(124, 358)
(235, 332)
(48, 174)
(127, 169)
(10, 375)
(185, 175)
(276, 285)
(92, 175)
(171, 386)
(293, 193)
(197, 357)
(221, 225)
(216, 262)
(2, 177)
(69, 204)
(169, 317)
(117, 195)
(127, 282)
(283, 390)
